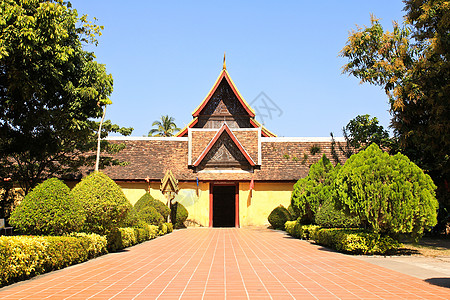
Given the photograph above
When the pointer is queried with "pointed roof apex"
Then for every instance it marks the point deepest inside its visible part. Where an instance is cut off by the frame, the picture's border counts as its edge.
(224, 63)
(224, 75)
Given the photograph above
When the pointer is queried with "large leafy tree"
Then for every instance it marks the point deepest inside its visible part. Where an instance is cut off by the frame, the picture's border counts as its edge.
(359, 133)
(412, 64)
(51, 90)
(166, 127)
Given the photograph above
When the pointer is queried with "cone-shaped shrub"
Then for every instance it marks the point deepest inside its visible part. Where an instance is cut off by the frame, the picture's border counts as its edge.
(390, 194)
(103, 201)
(179, 215)
(148, 201)
(150, 215)
(48, 210)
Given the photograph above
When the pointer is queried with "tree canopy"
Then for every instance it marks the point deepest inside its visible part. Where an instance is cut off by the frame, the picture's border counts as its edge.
(310, 192)
(359, 133)
(389, 194)
(166, 127)
(411, 63)
(51, 90)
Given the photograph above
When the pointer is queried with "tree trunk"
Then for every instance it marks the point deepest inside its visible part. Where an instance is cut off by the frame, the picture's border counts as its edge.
(97, 160)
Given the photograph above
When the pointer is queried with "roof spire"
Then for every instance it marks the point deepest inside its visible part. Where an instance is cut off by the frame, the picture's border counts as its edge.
(224, 64)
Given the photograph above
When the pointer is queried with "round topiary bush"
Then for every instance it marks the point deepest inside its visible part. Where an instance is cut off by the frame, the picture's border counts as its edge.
(147, 200)
(103, 201)
(178, 215)
(48, 210)
(278, 217)
(329, 216)
(390, 194)
(150, 216)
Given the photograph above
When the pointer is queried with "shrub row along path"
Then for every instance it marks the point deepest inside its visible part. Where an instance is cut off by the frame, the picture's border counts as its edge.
(224, 263)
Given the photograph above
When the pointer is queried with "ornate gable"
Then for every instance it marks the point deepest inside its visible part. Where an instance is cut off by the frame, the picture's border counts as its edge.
(224, 103)
(224, 152)
(223, 106)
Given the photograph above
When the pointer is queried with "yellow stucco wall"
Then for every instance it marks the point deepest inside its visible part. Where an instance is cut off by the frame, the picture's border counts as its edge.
(255, 208)
(197, 206)
(253, 211)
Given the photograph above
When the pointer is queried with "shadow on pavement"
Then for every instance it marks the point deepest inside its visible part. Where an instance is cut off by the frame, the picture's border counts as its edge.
(442, 281)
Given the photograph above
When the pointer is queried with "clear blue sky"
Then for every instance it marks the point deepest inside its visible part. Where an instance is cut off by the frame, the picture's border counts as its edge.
(166, 55)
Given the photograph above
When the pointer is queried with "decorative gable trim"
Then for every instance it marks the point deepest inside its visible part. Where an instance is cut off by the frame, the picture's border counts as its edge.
(184, 131)
(169, 184)
(224, 75)
(264, 131)
(223, 129)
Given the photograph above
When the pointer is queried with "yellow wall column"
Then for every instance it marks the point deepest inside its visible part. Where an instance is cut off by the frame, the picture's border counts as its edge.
(255, 207)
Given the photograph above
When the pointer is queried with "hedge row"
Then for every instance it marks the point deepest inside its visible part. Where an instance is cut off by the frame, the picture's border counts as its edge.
(354, 241)
(22, 257)
(300, 231)
(129, 236)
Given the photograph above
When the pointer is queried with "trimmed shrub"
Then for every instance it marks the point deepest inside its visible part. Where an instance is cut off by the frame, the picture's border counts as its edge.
(305, 232)
(104, 203)
(150, 215)
(178, 215)
(289, 227)
(329, 216)
(48, 210)
(22, 257)
(169, 227)
(278, 217)
(96, 243)
(126, 237)
(355, 241)
(309, 231)
(390, 194)
(132, 219)
(148, 201)
(162, 229)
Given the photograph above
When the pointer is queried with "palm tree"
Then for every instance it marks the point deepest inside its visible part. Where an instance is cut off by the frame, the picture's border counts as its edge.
(165, 127)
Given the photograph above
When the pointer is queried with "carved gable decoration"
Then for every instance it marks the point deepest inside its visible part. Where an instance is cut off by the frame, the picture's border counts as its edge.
(223, 106)
(224, 103)
(224, 151)
(169, 185)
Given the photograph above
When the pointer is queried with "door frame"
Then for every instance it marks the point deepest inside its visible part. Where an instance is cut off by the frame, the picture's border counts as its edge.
(236, 200)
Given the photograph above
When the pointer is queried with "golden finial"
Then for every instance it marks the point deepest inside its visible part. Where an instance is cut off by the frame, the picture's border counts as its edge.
(224, 64)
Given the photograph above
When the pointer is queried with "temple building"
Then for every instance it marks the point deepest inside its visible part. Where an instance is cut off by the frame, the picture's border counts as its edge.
(231, 170)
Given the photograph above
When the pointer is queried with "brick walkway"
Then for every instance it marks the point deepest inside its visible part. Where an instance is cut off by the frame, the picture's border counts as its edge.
(225, 263)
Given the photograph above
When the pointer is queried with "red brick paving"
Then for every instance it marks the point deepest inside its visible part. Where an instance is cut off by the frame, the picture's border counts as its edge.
(223, 263)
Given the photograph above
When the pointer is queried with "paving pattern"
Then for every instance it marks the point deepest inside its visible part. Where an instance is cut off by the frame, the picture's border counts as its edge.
(204, 263)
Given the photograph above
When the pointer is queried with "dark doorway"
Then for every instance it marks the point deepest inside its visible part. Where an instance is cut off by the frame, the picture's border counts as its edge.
(224, 206)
